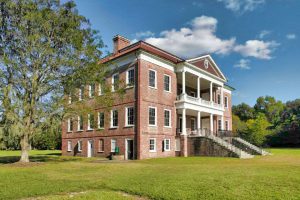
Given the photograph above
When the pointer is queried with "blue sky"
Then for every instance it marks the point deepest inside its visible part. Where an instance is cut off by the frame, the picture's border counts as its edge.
(256, 43)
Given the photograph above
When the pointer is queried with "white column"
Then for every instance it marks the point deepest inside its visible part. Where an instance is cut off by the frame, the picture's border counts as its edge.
(222, 96)
(211, 123)
(183, 125)
(183, 82)
(198, 87)
(199, 120)
(211, 91)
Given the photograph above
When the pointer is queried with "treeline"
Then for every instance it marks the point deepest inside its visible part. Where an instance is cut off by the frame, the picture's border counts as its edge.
(269, 122)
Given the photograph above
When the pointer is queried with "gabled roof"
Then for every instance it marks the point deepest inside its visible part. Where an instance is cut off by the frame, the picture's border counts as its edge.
(212, 66)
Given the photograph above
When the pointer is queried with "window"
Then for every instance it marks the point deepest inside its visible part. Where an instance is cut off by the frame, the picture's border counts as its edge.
(101, 145)
(113, 145)
(130, 77)
(177, 144)
(152, 78)
(167, 118)
(167, 144)
(79, 146)
(226, 125)
(219, 99)
(69, 145)
(167, 83)
(80, 93)
(114, 118)
(91, 90)
(115, 82)
(100, 120)
(226, 102)
(70, 125)
(100, 89)
(80, 123)
(193, 124)
(219, 125)
(129, 116)
(91, 121)
(152, 145)
(152, 116)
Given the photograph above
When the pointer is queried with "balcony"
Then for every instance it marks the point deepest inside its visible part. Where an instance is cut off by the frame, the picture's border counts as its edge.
(199, 101)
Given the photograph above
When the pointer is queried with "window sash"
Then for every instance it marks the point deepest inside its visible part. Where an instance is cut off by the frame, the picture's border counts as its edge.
(130, 77)
(70, 125)
(114, 118)
(226, 102)
(80, 123)
(115, 82)
(167, 144)
(100, 120)
(152, 78)
(81, 93)
(152, 145)
(167, 118)
(79, 146)
(167, 83)
(91, 121)
(226, 125)
(152, 116)
(130, 116)
(219, 125)
(91, 90)
(219, 99)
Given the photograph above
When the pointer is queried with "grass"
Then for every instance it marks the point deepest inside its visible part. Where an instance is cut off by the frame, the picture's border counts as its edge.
(57, 177)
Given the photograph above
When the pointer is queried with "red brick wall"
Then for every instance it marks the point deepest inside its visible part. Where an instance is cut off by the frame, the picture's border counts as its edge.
(161, 100)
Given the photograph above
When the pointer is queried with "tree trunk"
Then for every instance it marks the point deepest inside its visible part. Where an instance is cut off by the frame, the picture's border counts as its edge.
(25, 147)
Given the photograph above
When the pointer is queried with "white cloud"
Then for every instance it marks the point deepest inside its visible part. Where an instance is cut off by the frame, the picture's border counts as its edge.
(194, 41)
(291, 36)
(144, 34)
(263, 34)
(243, 64)
(257, 49)
(242, 5)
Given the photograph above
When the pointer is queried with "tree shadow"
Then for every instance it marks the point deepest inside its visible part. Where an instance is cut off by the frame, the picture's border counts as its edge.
(51, 157)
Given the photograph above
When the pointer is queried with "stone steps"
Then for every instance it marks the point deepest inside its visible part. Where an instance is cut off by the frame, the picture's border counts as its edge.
(252, 147)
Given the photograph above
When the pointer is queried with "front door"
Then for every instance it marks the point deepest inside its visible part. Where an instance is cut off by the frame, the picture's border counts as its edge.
(129, 149)
(90, 148)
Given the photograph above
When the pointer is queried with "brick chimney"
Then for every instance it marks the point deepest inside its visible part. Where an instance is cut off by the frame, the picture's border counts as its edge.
(120, 42)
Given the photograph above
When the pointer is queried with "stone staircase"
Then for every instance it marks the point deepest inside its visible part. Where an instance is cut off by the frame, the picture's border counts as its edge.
(237, 146)
(248, 147)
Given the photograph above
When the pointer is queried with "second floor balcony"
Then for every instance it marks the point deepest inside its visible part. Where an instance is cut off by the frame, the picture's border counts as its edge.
(199, 101)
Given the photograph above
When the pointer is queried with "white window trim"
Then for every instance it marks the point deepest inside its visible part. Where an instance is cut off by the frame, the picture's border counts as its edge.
(69, 99)
(113, 81)
(79, 146)
(98, 123)
(155, 87)
(69, 146)
(69, 125)
(126, 117)
(165, 145)
(170, 118)
(78, 124)
(79, 94)
(99, 90)
(226, 102)
(127, 77)
(111, 141)
(89, 123)
(111, 119)
(154, 150)
(153, 125)
(170, 83)
(90, 91)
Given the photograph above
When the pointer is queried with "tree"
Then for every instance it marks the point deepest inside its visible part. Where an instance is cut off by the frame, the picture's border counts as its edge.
(46, 48)
(290, 118)
(257, 129)
(238, 126)
(243, 111)
(270, 107)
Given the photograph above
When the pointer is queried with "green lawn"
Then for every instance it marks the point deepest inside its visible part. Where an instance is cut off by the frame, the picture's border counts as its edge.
(56, 177)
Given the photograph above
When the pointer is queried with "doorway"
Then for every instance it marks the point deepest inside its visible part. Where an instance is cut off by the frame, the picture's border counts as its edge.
(129, 149)
(90, 148)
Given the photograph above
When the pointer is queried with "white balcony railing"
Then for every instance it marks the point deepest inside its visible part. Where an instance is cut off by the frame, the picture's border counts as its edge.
(200, 101)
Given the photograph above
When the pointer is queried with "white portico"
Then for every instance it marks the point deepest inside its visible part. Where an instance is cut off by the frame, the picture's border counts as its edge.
(200, 100)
